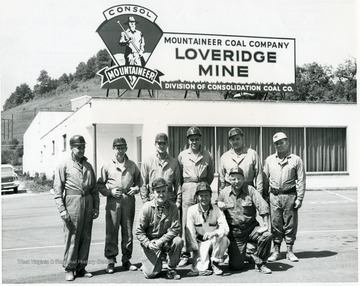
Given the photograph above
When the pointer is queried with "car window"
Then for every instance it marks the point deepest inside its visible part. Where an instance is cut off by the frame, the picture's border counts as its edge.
(6, 169)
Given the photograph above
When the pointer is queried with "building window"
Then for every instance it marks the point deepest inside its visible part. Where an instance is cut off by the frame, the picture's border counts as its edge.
(139, 151)
(321, 149)
(326, 149)
(64, 142)
(53, 147)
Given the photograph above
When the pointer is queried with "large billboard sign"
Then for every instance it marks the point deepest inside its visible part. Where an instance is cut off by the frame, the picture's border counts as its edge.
(145, 57)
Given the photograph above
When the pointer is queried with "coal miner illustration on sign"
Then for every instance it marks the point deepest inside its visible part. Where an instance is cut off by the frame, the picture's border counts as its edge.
(124, 32)
(134, 41)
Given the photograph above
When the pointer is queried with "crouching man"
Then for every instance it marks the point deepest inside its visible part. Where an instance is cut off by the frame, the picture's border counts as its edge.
(158, 231)
(207, 228)
(240, 203)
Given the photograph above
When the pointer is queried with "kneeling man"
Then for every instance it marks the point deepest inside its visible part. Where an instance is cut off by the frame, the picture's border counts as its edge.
(240, 203)
(158, 231)
(207, 228)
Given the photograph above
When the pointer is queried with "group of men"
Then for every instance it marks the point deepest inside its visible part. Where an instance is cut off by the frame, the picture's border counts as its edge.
(179, 222)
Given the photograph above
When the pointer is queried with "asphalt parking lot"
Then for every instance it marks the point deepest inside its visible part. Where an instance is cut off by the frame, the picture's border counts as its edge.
(327, 245)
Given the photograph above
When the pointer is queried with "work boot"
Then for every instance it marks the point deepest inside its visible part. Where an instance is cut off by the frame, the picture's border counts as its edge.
(83, 273)
(290, 254)
(129, 266)
(262, 269)
(110, 268)
(69, 275)
(183, 261)
(216, 269)
(172, 274)
(276, 254)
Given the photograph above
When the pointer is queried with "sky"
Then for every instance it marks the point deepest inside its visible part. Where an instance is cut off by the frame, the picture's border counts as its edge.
(57, 35)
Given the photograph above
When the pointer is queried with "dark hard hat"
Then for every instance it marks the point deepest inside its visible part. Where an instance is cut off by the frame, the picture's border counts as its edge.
(193, 131)
(236, 170)
(77, 140)
(119, 142)
(161, 137)
(235, 131)
(203, 186)
(158, 183)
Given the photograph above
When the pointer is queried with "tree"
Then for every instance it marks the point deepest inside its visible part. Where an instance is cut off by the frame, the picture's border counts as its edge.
(91, 68)
(22, 93)
(314, 83)
(80, 71)
(64, 79)
(346, 80)
(103, 59)
(46, 83)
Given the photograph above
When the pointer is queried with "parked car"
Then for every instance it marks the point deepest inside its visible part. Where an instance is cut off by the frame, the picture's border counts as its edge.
(9, 179)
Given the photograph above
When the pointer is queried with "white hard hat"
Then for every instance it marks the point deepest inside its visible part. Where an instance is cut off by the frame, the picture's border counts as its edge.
(278, 136)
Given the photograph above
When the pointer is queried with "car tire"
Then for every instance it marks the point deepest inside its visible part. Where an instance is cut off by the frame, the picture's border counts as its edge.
(15, 190)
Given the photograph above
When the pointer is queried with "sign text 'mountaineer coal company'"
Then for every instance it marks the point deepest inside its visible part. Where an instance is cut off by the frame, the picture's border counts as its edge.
(145, 57)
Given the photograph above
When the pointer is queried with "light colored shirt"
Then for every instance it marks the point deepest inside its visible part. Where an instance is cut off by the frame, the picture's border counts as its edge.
(199, 222)
(202, 167)
(121, 176)
(76, 177)
(168, 169)
(248, 161)
(286, 173)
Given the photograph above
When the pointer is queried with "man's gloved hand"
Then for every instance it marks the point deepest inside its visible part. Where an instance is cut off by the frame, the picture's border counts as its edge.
(116, 193)
(95, 214)
(209, 235)
(132, 191)
(298, 204)
(221, 205)
(65, 216)
(155, 244)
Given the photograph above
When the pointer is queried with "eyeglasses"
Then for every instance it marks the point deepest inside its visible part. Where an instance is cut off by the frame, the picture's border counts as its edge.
(161, 143)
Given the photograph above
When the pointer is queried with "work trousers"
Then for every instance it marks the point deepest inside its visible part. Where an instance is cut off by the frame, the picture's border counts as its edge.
(119, 212)
(188, 200)
(284, 218)
(78, 231)
(216, 246)
(238, 247)
(151, 260)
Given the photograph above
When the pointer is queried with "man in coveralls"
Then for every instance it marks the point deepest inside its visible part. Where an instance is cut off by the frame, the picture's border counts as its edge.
(158, 231)
(196, 165)
(240, 156)
(78, 202)
(286, 175)
(208, 231)
(161, 165)
(120, 180)
(240, 203)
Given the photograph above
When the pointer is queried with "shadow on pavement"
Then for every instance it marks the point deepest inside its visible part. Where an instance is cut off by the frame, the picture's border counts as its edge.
(117, 269)
(315, 254)
(278, 266)
(12, 192)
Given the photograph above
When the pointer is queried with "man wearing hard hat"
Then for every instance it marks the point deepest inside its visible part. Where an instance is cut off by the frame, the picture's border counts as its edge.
(286, 176)
(78, 202)
(120, 180)
(208, 231)
(196, 165)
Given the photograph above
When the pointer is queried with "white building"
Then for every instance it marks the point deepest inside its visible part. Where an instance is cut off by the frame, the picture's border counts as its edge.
(324, 135)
